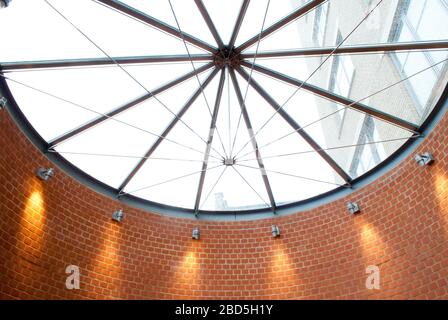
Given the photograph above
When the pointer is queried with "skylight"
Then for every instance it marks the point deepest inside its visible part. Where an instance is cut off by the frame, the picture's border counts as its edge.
(225, 105)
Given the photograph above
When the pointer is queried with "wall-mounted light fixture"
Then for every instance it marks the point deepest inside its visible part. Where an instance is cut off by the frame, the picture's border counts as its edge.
(196, 234)
(45, 173)
(3, 102)
(4, 3)
(275, 230)
(353, 207)
(118, 215)
(424, 159)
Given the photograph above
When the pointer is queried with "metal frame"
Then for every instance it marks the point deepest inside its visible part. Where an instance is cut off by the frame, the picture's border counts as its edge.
(369, 48)
(209, 23)
(239, 22)
(94, 62)
(15, 112)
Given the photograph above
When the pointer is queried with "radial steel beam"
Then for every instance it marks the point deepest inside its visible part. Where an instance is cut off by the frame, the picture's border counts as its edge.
(281, 23)
(252, 137)
(128, 105)
(167, 130)
(334, 97)
(369, 48)
(92, 62)
(210, 140)
(295, 126)
(143, 17)
(238, 23)
(209, 23)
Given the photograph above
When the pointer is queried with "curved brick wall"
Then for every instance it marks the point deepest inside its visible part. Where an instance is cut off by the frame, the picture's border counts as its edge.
(322, 253)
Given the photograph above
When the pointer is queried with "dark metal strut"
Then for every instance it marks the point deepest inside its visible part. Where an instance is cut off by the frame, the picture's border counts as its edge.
(334, 97)
(252, 137)
(210, 140)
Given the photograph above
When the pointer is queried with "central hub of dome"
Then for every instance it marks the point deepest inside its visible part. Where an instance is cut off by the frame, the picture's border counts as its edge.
(227, 57)
(229, 161)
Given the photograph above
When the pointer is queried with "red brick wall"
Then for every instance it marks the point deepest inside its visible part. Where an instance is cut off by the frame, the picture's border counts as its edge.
(322, 253)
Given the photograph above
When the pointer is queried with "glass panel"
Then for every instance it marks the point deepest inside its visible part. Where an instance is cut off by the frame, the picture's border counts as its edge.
(187, 14)
(50, 117)
(302, 32)
(224, 15)
(191, 20)
(357, 142)
(266, 125)
(256, 11)
(118, 34)
(153, 76)
(391, 21)
(175, 186)
(167, 104)
(111, 143)
(44, 35)
(171, 160)
(292, 178)
(198, 118)
(253, 21)
(225, 192)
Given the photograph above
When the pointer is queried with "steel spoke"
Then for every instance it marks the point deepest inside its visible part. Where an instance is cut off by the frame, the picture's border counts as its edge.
(95, 62)
(166, 131)
(251, 71)
(145, 18)
(368, 48)
(210, 139)
(209, 23)
(238, 23)
(254, 142)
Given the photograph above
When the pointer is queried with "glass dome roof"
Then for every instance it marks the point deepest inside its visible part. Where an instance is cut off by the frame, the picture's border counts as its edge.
(225, 105)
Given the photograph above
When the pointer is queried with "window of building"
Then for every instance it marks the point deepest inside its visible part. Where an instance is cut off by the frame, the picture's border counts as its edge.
(368, 153)
(320, 24)
(415, 24)
(342, 73)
